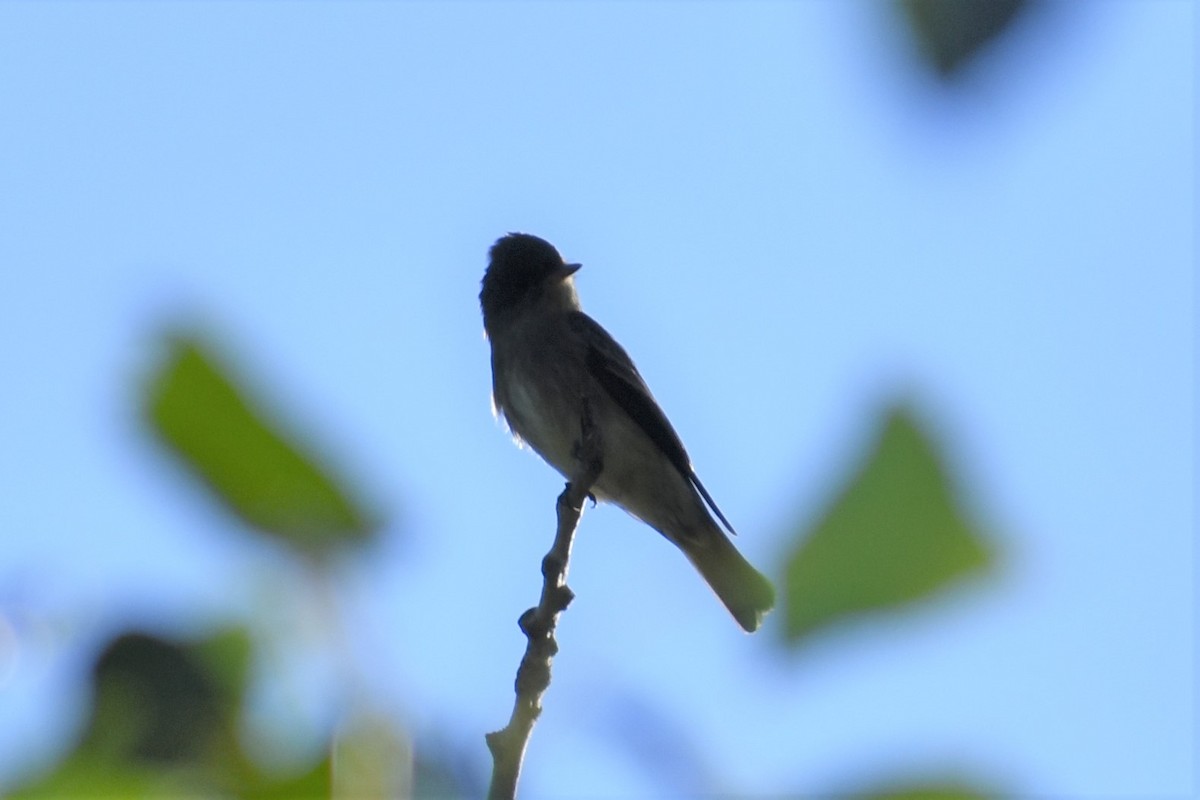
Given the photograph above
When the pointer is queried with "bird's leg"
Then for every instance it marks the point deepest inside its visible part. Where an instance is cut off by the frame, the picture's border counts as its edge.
(587, 450)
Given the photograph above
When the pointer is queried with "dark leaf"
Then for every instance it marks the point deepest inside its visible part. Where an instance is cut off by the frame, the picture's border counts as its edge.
(164, 724)
(163, 721)
(951, 32)
(158, 701)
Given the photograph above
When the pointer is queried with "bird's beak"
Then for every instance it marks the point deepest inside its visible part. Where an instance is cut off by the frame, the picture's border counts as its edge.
(567, 270)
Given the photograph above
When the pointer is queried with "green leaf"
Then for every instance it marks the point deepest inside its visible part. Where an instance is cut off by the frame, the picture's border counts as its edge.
(85, 776)
(200, 413)
(894, 535)
(163, 721)
(156, 702)
(951, 789)
(951, 32)
(164, 724)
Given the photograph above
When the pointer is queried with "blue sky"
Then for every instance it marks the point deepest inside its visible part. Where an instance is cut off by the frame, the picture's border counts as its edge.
(784, 221)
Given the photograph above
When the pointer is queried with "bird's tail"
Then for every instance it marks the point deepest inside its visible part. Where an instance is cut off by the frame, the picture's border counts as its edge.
(744, 590)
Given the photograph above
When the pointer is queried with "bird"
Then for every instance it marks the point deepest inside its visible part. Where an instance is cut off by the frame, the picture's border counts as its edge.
(552, 364)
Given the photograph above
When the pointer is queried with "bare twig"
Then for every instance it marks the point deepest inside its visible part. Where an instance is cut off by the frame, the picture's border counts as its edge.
(538, 623)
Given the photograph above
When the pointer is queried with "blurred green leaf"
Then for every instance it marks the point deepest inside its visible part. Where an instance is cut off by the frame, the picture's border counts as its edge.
(205, 418)
(86, 776)
(951, 32)
(893, 536)
(158, 701)
(950, 789)
(164, 723)
(226, 657)
(315, 783)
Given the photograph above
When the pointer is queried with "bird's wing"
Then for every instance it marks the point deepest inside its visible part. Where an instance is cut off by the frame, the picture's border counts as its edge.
(613, 369)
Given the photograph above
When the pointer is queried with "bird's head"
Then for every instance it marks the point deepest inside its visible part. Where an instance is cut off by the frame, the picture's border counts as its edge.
(523, 272)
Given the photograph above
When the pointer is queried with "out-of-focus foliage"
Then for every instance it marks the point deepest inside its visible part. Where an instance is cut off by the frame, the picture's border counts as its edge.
(166, 702)
(200, 413)
(951, 32)
(166, 715)
(894, 535)
(949, 789)
(164, 722)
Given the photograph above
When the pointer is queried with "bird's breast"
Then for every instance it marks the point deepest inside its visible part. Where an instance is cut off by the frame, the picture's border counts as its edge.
(541, 413)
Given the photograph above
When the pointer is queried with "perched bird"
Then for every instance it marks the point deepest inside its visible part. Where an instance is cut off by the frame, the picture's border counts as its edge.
(549, 361)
